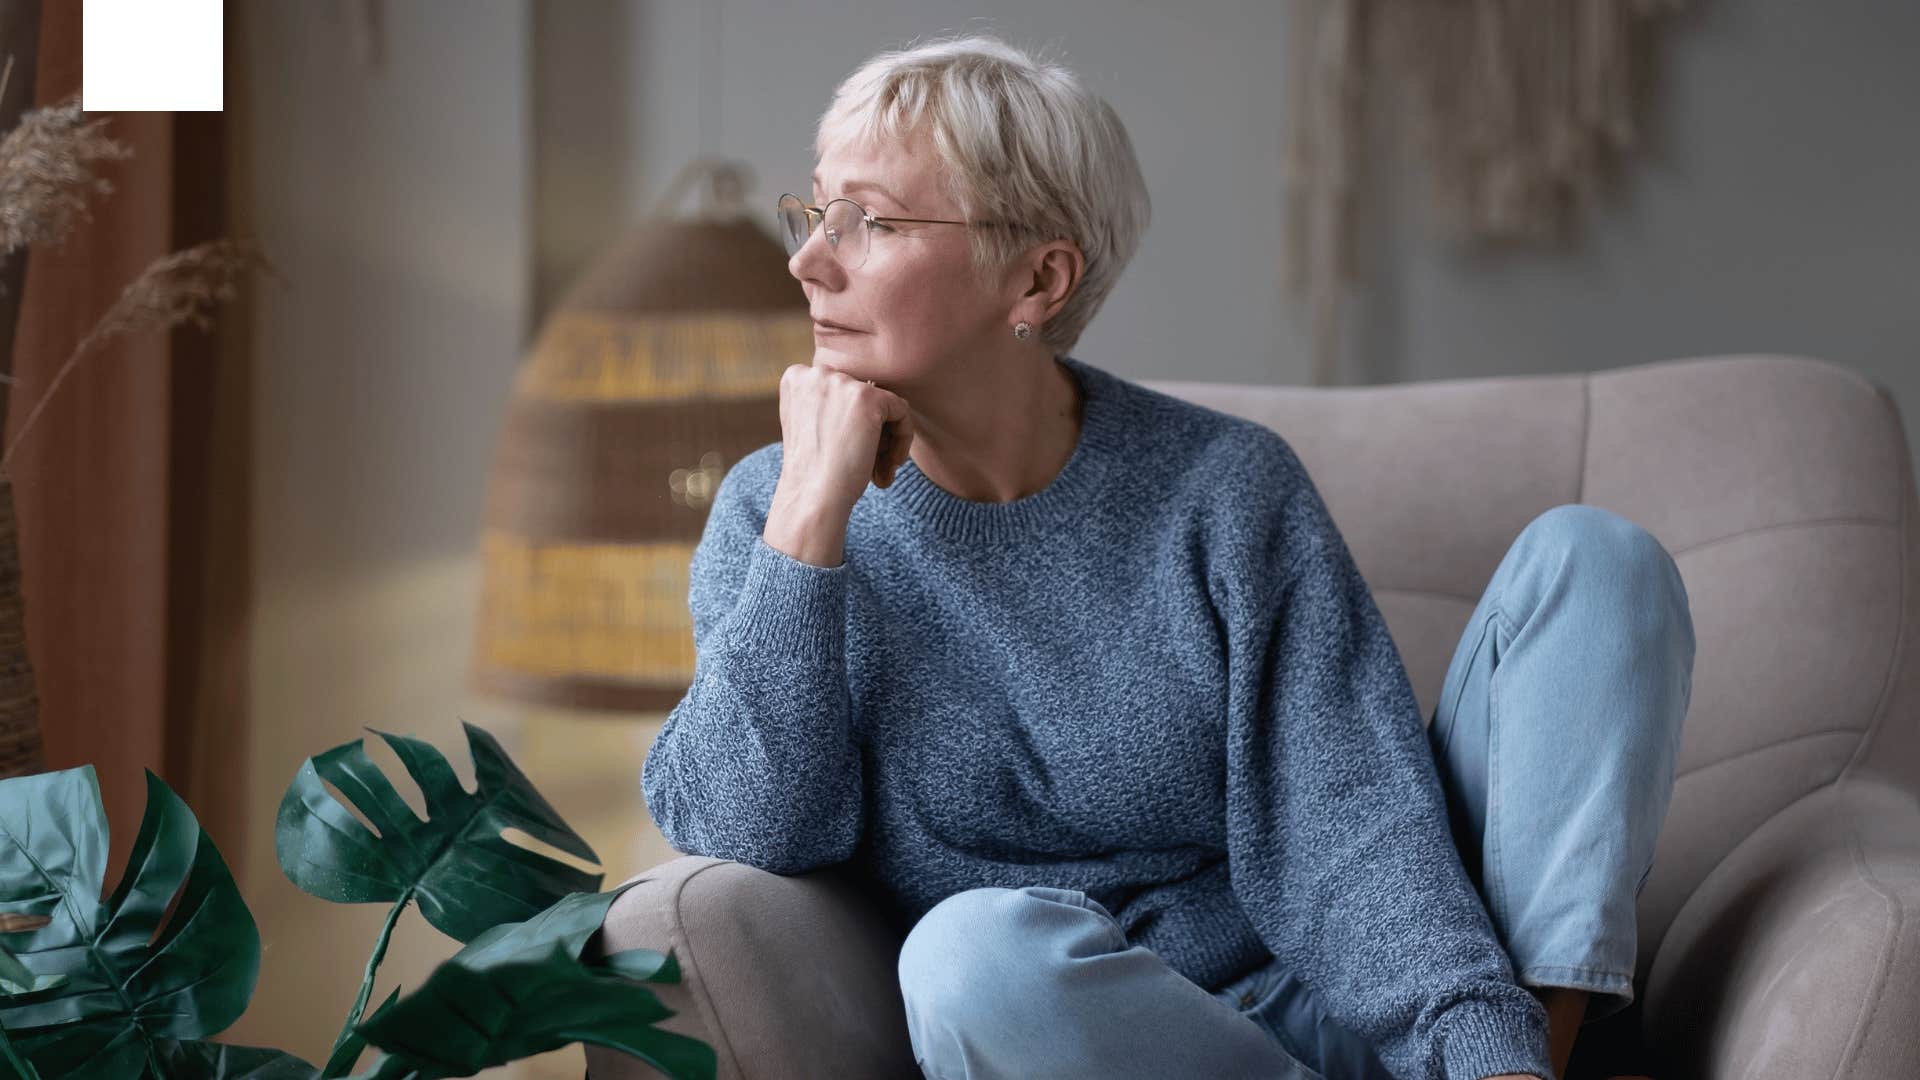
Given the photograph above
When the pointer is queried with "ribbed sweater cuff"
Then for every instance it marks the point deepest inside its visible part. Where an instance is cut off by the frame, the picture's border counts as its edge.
(1480, 1038)
(789, 608)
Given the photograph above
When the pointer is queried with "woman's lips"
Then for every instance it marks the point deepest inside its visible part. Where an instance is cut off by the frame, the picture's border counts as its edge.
(820, 327)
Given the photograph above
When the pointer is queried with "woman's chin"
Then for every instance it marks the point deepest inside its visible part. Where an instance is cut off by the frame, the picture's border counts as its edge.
(840, 355)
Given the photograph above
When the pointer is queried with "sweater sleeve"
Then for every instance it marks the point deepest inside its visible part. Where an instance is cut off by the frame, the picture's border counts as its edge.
(1338, 844)
(756, 764)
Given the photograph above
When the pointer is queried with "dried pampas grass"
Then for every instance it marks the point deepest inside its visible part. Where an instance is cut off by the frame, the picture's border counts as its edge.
(173, 290)
(47, 171)
(47, 174)
(47, 167)
(178, 288)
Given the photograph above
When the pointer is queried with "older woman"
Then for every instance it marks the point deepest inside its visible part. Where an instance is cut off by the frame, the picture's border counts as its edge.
(1082, 681)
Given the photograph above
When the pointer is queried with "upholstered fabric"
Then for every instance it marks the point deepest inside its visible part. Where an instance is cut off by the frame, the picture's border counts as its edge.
(1780, 929)
(782, 976)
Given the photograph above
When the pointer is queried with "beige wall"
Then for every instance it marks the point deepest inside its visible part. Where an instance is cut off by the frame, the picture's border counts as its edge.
(396, 203)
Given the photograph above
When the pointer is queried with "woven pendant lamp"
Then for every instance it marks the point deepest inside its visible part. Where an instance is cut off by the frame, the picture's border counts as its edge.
(657, 371)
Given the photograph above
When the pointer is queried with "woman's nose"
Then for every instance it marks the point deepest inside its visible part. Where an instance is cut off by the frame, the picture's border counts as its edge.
(815, 260)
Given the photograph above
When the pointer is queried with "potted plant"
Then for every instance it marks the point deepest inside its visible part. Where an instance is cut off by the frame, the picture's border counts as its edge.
(138, 983)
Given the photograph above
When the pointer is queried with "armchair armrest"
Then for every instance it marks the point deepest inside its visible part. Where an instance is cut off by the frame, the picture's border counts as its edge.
(1800, 954)
(782, 976)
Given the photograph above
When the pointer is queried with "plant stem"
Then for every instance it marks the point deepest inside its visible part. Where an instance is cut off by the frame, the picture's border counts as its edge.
(21, 1068)
(373, 964)
(66, 369)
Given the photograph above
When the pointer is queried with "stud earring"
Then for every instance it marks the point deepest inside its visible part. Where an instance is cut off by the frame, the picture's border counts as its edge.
(1022, 331)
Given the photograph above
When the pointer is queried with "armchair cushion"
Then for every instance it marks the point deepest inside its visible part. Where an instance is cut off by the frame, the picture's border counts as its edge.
(782, 976)
(1800, 954)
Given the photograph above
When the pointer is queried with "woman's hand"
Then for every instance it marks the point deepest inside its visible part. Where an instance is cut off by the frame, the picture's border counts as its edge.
(837, 433)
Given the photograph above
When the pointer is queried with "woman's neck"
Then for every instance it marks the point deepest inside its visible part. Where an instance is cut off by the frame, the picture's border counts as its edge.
(1000, 439)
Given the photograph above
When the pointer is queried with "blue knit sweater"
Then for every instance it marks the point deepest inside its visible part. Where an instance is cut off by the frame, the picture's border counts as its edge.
(1160, 680)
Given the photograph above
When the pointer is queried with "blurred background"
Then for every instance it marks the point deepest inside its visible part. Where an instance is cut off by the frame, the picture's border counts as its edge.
(241, 559)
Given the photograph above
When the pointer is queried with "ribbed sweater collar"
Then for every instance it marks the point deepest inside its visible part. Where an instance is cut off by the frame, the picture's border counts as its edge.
(1066, 499)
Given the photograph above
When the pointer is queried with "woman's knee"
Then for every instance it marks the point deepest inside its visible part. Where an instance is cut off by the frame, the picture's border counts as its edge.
(990, 948)
(1600, 537)
(1612, 551)
(1639, 603)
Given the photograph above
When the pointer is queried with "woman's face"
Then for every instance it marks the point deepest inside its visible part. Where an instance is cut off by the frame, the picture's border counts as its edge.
(915, 304)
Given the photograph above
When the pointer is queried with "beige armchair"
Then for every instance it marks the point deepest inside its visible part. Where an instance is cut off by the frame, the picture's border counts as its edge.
(1780, 929)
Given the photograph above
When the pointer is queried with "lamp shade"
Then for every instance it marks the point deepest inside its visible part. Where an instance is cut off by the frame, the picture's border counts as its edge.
(657, 370)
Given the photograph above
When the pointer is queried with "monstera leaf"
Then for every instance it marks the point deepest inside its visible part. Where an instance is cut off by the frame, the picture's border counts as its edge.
(217, 1061)
(569, 923)
(522, 989)
(16, 979)
(121, 988)
(466, 877)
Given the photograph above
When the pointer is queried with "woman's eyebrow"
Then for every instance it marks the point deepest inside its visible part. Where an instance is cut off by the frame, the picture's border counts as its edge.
(867, 185)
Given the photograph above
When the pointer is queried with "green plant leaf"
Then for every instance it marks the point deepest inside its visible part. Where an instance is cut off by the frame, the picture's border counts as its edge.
(218, 1061)
(522, 989)
(136, 978)
(569, 922)
(643, 964)
(17, 980)
(465, 1019)
(466, 876)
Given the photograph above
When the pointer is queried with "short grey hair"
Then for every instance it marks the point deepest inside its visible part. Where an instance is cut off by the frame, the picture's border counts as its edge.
(1021, 141)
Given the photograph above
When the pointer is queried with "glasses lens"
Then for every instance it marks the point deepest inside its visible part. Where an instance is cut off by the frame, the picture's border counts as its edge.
(846, 228)
(792, 216)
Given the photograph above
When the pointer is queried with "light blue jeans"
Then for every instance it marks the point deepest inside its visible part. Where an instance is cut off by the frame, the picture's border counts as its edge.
(1555, 738)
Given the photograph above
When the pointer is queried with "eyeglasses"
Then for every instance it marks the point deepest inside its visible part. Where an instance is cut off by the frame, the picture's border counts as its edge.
(849, 226)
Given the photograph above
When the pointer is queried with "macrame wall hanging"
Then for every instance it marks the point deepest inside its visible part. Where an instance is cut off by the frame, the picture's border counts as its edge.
(1521, 109)
(366, 20)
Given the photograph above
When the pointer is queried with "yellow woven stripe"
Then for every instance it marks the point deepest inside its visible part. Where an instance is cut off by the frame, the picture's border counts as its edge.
(612, 610)
(584, 356)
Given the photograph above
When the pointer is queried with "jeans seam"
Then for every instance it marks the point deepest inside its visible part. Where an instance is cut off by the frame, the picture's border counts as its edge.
(1497, 894)
(1453, 712)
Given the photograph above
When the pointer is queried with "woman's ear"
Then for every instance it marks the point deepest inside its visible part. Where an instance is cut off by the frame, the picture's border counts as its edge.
(1055, 269)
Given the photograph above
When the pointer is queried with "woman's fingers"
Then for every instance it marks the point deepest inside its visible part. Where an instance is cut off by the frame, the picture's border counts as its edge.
(882, 456)
(902, 440)
(896, 437)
